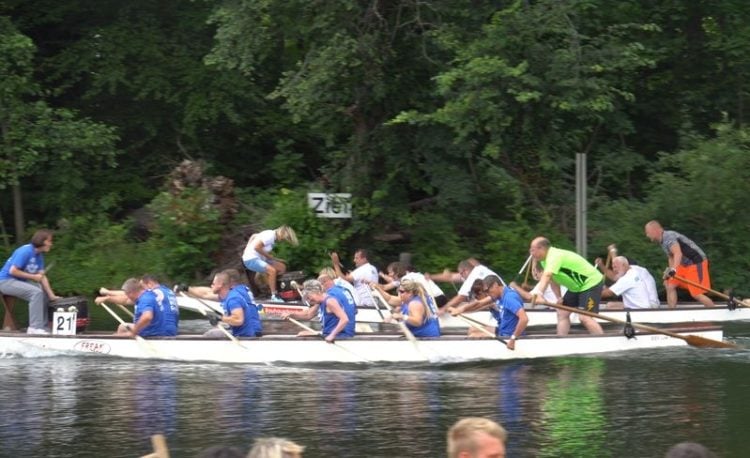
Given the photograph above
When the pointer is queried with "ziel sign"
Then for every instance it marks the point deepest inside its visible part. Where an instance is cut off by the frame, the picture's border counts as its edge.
(330, 205)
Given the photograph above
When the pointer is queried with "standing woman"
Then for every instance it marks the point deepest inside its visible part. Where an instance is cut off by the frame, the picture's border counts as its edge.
(417, 311)
(258, 258)
(27, 263)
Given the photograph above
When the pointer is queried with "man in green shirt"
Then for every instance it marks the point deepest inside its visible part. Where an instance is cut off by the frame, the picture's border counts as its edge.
(569, 269)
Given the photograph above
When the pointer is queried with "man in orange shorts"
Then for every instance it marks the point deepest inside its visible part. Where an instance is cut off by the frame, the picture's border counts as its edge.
(686, 260)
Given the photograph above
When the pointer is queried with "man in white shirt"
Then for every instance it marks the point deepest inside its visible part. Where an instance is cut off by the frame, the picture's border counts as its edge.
(634, 283)
(361, 277)
(430, 287)
(469, 272)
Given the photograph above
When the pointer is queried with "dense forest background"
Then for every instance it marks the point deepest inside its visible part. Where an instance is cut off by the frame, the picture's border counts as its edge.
(454, 124)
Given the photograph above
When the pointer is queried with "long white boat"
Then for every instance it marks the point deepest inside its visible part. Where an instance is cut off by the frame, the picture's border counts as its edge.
(362, 349)
(538, 316)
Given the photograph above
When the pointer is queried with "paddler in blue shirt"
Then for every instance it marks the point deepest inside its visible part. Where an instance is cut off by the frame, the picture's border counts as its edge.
(506, 307)
(151, 317)
(240, 310)
(417, 311)
(336, 320)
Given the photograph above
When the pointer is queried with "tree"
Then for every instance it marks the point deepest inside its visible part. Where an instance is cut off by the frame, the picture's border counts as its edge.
(36, 139)
(542, 82)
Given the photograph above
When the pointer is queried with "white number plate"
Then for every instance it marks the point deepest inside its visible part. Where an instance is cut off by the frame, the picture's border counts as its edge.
(64, 323)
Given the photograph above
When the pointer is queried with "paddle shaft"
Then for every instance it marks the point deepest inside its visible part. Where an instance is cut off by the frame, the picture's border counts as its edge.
(402, 326)
(218, 325)
(375, 303)
(204, 307)
(523, 267)
(696, 341)
(743, 303)
(305, 327)
(160, 447)
(481, 326)
(320, 334)
(120, 320)
(611, 254)
(301, 296)
(124, 309)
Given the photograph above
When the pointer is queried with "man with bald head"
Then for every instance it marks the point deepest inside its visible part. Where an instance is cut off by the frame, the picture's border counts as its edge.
(686, 260)
(571, 270)
(634, 283)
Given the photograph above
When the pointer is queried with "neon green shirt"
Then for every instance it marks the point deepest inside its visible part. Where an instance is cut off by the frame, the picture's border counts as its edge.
(571, 270)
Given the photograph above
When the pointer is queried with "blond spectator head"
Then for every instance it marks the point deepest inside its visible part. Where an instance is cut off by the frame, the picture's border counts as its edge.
(476, 437)
(275, 447)
(328, 272)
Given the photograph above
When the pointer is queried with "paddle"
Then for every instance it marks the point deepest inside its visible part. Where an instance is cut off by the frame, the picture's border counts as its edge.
(526, 266)
(143, 342)
(320, 334)
(49, 267)
(124, 309)
(204, 311)
(295, 285)
(481, 326)
(695, 341)
(377, 307)
(740, 302)
(611, 254)
(401, 325)
(159, 443)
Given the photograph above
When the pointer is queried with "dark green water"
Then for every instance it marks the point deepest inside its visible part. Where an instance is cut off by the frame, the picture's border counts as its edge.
(616, 405)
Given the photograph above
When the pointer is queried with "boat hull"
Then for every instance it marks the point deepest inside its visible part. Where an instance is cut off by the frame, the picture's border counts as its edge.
(369, 349)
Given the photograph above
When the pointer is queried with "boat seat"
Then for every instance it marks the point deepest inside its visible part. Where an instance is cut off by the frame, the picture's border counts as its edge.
(9, 323)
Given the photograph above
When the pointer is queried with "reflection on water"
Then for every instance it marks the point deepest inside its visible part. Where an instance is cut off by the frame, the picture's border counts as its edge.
(573, 421)
(613, 405)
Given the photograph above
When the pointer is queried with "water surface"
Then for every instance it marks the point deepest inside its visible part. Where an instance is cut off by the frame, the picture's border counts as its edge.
(633, 404)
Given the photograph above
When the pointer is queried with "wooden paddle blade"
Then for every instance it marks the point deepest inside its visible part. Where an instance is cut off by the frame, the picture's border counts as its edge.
(698, 341)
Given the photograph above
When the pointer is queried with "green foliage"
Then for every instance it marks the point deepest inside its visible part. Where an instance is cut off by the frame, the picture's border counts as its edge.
(186, 232)
(453, 124)
(621, 222)
(538, 85)
(37, 139)
(434, 243)
(90, 252)
(702, 191)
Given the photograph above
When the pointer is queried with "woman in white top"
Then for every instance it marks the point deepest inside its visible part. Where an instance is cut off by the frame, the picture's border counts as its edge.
(258, 258)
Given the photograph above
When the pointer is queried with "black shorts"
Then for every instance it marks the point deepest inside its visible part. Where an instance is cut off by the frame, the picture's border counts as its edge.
(587, 300)
(441, 300)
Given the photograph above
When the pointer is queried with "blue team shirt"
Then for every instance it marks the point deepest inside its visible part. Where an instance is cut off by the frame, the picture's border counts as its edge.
(166, 298)
(506, 311)
(24, 258)
(430, 327)
(164, 321)
(241, 297)
(329, 321)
